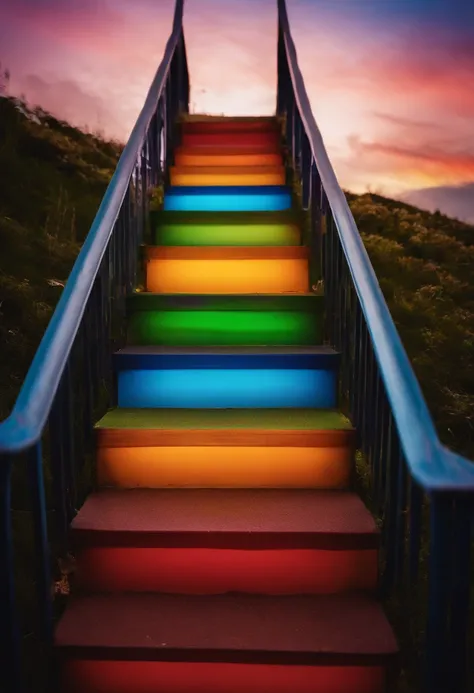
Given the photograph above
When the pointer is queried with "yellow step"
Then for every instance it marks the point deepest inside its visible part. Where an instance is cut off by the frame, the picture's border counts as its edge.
(227, 269)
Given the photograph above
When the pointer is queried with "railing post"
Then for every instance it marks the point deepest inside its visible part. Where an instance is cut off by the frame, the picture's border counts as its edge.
(10, 666)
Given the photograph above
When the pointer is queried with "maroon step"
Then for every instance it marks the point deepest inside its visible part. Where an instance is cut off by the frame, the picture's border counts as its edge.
(336, 630)
(271, 541)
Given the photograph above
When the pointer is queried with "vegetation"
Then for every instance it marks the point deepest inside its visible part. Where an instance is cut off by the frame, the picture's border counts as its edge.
(54, 179)
(425, 264)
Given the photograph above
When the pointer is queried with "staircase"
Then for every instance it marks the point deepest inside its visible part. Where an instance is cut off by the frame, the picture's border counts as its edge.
(224, 550)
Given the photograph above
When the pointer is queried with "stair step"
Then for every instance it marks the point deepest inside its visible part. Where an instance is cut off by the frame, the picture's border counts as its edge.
(261, 303)
(227, 269)
(235, 136)
(227, 175)
(285, 217)
(271, 198)
(225, 518)
(198, 124)
(225, 319)
(227, 377)
(227, 156)
(308, 631)
(215, 541)
(230, 358)
(237, 427)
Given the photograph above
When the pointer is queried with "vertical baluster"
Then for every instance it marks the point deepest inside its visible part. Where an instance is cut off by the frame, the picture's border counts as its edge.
(10, 661)
(44, 582)
(56, 425)
(315, 226)
(391, 507)
(400, 527)
(438, 675)
(305, 171)
(415, 519)
(461, 588)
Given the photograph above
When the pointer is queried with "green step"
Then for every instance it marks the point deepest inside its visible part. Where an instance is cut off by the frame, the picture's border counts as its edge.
(208, 419)
(225, 228)
(225, 320)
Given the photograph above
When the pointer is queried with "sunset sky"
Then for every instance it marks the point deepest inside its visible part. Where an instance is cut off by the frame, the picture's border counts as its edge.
(391, 82)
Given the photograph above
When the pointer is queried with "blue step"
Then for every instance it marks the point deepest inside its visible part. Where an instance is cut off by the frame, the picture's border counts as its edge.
(227, 199)
(233, 377)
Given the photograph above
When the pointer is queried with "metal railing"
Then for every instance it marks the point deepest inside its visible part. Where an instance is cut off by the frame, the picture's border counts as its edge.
(51, 425)
(423, 492)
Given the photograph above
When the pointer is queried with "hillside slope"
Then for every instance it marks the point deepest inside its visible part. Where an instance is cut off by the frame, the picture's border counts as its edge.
(53, 179)
(425, 266)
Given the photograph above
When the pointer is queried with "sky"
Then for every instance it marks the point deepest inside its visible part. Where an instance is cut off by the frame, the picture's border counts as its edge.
(391, 82)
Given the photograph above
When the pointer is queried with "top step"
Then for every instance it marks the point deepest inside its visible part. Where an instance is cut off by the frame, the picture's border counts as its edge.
(218, 124)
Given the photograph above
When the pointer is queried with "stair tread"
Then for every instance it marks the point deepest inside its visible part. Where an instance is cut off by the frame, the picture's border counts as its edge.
(226, 518)
(228, 170)
(227, 350)
(186, 419)
(230, 252)
(151, 301)
(240, 190)
(284, 216)
(245, 628)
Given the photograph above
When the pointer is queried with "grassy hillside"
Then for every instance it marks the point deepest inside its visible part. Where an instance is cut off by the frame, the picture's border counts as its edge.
(425, 264)
(53, 179)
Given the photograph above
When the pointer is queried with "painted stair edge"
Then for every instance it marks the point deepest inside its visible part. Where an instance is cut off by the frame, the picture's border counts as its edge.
(235, 358)
(253, 519)
(122, 427)
(287, 252)
(147, 301)
(341, 629)
(205, 218)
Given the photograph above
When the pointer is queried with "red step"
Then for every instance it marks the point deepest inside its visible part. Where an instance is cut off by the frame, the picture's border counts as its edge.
(292, 644)
(267, 138)
(210, 541)
(218, 124)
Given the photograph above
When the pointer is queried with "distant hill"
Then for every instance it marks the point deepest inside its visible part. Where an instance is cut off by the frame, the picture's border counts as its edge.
(56, 177)
(455, 200)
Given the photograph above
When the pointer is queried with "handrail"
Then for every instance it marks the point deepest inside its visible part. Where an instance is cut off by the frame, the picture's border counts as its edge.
(434, 466)
(24, 426)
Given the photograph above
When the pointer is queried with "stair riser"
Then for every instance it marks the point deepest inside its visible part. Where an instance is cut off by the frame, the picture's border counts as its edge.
(225, 467)
(101, 676)
(227, 276)
(226, 201)
(218, 571)
(227, 235)
(180, 177)
(230, 139)
(196, 158)
(232, 125)
(227, 388)
(224, 328)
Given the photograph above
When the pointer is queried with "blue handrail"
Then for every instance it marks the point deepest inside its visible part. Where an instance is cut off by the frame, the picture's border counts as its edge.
(25, 425)
(434, 466)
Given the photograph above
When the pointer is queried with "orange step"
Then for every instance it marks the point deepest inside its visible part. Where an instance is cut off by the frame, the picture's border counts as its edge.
(227, 269)
(226, 156)
(227, 175)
